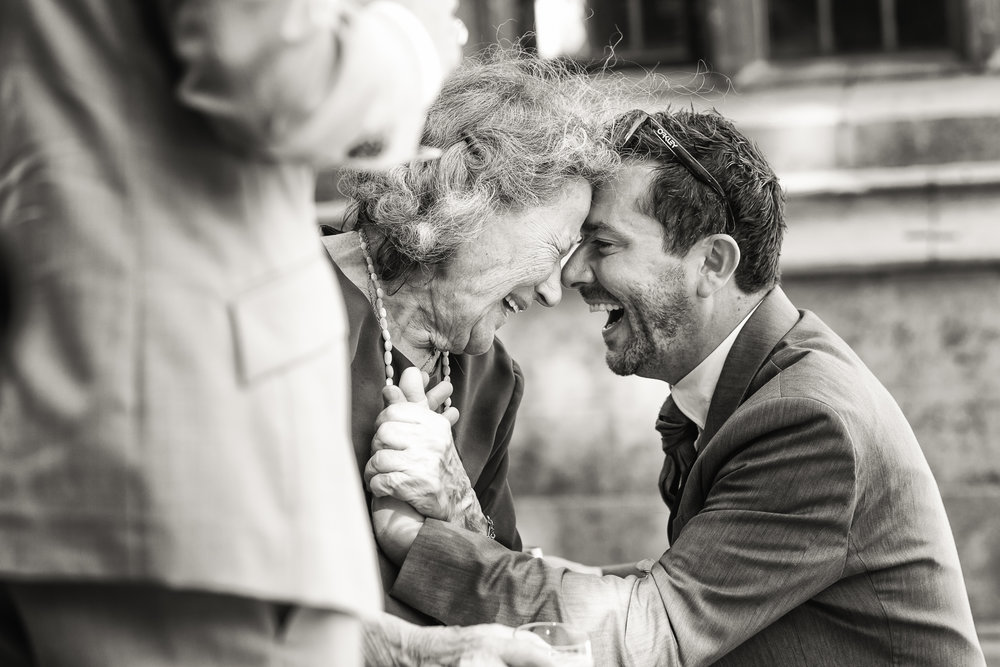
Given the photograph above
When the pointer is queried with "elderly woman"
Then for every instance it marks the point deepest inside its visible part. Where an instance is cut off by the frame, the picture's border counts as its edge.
(445, 250)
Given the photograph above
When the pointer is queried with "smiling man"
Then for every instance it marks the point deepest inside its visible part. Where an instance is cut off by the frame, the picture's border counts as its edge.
(806, 527)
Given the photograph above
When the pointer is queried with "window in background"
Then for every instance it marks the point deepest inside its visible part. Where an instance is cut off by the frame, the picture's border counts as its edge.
(841, 27)
(665, 29)
(921, 24)
(642, 31)
(858, 25)
(794, 29)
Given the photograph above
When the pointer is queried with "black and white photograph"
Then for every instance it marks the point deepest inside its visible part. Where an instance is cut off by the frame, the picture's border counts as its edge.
(485, 333)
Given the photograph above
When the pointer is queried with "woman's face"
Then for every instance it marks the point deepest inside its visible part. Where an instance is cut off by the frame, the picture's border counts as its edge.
(514, 261)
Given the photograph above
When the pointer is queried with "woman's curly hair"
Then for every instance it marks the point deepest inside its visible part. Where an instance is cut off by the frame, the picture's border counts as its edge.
(513, 129)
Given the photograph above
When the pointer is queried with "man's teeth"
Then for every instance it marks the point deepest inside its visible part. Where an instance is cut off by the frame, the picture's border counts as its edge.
(604, 307)
(512, 304)
(615, 312)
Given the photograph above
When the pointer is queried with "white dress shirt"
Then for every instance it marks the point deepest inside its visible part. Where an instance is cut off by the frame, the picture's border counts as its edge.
(693, 393)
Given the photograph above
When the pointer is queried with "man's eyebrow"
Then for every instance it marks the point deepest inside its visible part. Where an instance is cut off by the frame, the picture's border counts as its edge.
(590, 227)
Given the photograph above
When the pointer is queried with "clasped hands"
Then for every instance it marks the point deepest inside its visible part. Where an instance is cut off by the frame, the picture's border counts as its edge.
(415, 471)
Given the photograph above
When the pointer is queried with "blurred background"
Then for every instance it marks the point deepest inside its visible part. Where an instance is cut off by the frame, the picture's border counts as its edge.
(882, 119)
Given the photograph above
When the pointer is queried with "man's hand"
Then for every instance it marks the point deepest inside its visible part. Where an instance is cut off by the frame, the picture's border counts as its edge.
(414, 457)
(393, 641)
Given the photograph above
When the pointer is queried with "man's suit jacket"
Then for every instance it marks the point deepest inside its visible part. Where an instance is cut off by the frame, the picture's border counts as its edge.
(174, 407)
(810, 532)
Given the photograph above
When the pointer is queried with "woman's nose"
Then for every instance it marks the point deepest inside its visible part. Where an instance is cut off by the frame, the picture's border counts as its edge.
(549, 292)
(576, 272)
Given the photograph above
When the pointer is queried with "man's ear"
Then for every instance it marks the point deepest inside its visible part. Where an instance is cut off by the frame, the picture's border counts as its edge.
(720, 257)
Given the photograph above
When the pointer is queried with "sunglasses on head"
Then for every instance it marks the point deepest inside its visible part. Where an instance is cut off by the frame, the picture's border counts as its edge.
(687, 160)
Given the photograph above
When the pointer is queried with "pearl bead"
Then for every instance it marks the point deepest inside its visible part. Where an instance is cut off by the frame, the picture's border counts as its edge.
(383, 323)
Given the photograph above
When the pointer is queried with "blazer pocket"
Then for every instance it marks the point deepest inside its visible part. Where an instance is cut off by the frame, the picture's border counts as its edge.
(286, 320)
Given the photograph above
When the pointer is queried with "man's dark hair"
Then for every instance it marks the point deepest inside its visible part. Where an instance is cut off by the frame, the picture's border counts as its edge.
(690, 210)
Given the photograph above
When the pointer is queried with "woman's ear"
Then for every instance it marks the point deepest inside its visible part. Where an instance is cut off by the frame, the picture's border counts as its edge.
(720, 257)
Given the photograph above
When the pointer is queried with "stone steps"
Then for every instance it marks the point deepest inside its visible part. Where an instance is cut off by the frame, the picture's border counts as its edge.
(893, 133)
(864, 124)
(857, 182)
(862, 219)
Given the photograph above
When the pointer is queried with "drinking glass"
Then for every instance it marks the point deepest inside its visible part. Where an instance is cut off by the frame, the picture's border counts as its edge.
(568, 646)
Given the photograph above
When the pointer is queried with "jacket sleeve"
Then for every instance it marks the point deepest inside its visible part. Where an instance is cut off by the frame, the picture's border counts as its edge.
(773, 533)
(306, 80)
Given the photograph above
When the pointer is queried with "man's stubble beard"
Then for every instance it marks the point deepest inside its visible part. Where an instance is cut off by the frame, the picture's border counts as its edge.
(656, 316)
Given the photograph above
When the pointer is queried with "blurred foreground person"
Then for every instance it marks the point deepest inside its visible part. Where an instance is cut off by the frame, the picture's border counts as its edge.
(446, 251)
(176, 482)
(806, 527)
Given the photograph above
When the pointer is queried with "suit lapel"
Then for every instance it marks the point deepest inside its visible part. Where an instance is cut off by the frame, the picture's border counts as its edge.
(762, 332)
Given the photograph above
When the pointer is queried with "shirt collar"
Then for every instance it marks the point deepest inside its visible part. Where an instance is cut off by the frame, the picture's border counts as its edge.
(693, 393)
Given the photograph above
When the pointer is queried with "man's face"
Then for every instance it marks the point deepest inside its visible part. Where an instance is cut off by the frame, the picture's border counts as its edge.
(621, 268)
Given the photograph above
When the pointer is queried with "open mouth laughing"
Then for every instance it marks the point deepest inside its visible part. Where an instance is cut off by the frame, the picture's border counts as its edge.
(615, 313)
(512, 305)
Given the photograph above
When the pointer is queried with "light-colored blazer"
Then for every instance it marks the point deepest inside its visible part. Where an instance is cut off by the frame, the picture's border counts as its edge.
(810, 532)
(175, 405)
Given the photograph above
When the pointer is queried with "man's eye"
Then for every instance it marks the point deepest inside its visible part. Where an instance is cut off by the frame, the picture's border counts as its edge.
(601, 245)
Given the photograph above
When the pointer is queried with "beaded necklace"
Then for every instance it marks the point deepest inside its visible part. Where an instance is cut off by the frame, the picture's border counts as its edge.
(378, 306)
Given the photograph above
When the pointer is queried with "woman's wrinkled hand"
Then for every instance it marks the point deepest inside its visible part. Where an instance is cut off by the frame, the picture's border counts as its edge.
(414, 459)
